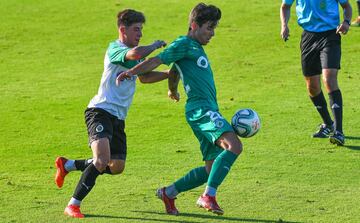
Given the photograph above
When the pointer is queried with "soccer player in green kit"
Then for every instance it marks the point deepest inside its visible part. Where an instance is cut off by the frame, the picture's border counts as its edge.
(219, 145)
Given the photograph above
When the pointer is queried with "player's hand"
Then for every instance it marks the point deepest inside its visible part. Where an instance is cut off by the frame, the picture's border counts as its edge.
(122, 76)
(285, 33)
(343, 28)
(158, 44)
(174, 95)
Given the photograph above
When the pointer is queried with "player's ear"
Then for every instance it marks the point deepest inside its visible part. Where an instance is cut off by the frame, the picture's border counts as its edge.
(194, 25)
(122, 29)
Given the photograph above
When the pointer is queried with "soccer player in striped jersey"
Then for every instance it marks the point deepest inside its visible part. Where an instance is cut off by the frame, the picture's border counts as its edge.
(106, 113)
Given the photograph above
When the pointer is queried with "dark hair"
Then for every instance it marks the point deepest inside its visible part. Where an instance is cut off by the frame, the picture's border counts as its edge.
(128, 17)
(203, 13)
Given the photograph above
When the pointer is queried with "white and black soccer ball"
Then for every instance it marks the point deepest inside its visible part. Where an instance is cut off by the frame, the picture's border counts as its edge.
(246, 122)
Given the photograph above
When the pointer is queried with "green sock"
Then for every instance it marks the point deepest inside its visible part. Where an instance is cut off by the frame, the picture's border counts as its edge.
(192, 179)
(220, 168)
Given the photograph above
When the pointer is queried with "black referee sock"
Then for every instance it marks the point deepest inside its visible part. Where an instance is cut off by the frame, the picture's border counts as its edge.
(86, 182)
(321, 106)
(82, 164)
(336, 105)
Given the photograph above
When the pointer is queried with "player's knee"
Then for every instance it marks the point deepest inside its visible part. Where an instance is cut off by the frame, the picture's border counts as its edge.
(331, 85)
(240, 149)
(117, 170)
(101, 163)
(314, 90)
(330, 81)
(117, 166)
(236, 148)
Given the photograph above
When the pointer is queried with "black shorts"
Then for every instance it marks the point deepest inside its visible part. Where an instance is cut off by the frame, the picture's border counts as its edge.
(101, 124)
(320, 51)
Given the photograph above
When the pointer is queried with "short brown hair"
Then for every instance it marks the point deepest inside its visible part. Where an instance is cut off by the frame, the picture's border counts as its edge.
(203, 13)
(128, 17)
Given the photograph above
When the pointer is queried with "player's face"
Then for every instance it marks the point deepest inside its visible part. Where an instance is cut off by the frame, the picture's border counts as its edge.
(204, 33)
(132, 34)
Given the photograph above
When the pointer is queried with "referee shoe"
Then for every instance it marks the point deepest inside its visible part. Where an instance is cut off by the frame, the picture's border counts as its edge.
(337, 138)
(324, 131)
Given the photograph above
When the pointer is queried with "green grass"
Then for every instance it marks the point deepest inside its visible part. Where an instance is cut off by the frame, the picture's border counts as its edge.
(51, 59)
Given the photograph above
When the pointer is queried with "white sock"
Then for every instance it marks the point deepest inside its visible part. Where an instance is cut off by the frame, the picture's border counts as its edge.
(210, 191)
(70, 165)
(74, 201)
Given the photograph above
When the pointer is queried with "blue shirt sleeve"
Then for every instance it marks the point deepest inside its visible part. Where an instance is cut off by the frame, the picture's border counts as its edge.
(342, 1)
(288, 2)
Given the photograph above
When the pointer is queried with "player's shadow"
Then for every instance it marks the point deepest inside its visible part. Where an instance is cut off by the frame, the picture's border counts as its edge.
(350, 146)
(204, 216)
(136, 218)
(352, 137)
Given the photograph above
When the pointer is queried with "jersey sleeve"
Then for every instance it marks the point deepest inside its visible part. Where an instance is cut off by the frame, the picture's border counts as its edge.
(342, 1)
(117, 53)
(288, 2)
(174, 52)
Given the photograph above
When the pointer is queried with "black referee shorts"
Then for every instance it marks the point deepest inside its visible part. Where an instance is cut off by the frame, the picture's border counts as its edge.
(320, 51)
(101, 124)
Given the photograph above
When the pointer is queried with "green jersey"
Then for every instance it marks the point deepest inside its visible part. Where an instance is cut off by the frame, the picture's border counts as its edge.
(194, 68)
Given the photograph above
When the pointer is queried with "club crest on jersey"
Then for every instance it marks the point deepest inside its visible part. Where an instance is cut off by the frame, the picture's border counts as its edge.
(219, 124)
(99, 128)
(216, 118)
(202, 62)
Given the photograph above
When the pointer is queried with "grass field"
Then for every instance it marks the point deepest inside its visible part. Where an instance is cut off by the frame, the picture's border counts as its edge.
(51, 60)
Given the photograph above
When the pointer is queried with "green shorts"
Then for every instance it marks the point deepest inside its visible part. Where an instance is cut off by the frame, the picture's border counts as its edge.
(208, 125)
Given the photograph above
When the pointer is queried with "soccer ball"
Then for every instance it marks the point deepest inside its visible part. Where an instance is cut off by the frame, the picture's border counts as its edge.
(246, 122)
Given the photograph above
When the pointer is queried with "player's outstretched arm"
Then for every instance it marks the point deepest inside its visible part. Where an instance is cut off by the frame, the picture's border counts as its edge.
(153, 76)
(140, 52)
(284, 19)
(142, 68)
(173, 83)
